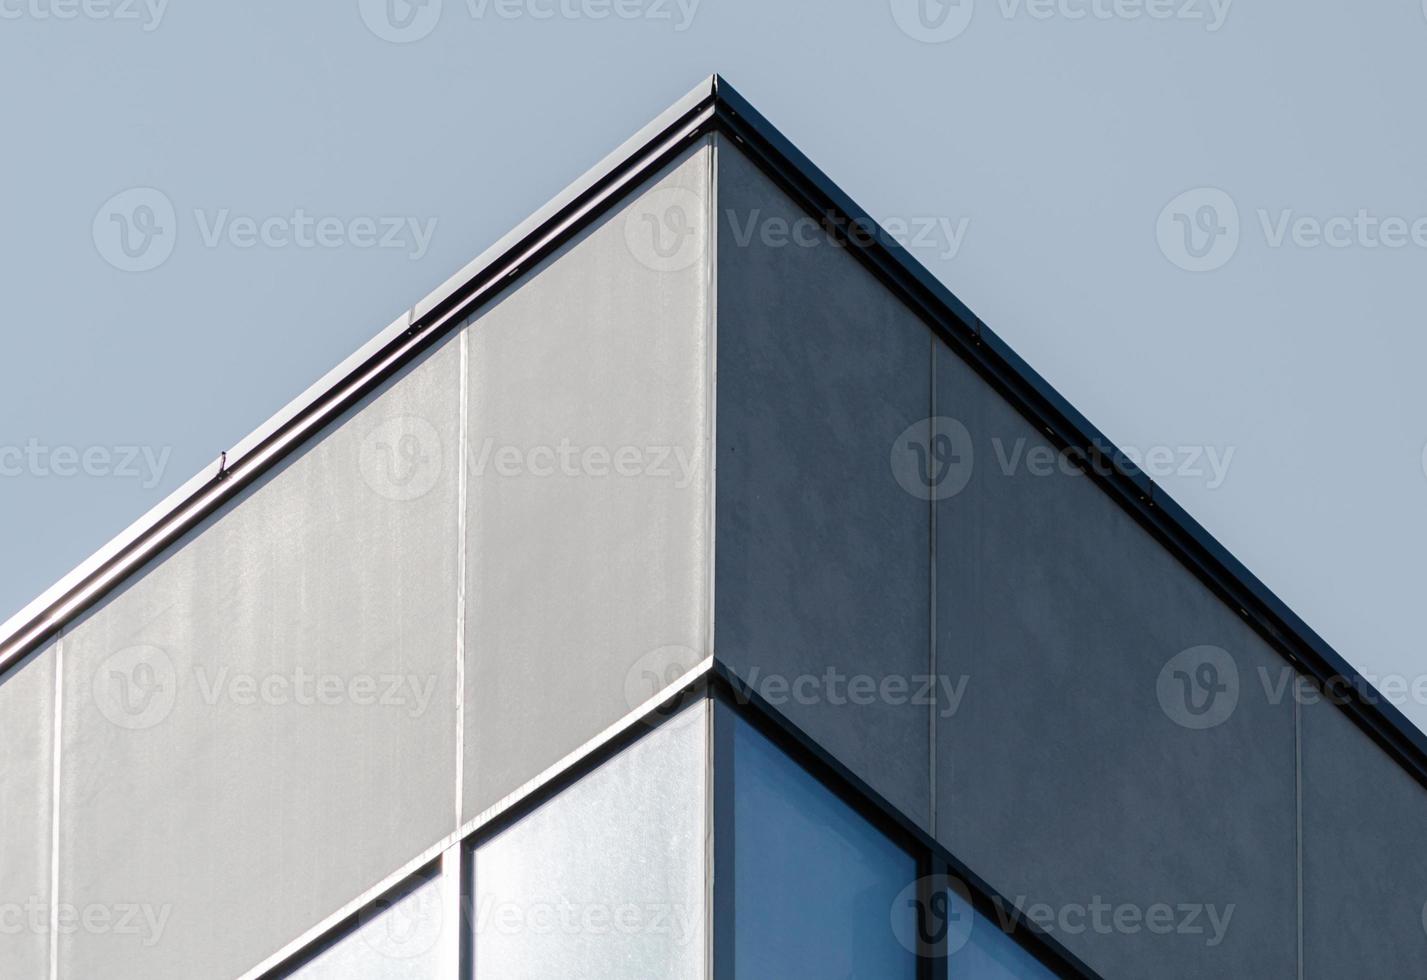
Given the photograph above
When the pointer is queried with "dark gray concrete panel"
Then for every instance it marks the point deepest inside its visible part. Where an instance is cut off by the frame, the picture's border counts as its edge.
(26, 808)
(1073, 774)
(587, 469)
(822, 558)
(262, 724)
(1364, 861)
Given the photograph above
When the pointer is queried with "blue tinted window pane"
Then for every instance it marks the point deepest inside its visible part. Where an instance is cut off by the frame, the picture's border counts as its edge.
(818, 891)
(980, 950)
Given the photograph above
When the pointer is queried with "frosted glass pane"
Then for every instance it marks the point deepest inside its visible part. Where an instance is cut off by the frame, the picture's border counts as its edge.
(818, 891)
(606, 880)
(980, 950)
(398, 940)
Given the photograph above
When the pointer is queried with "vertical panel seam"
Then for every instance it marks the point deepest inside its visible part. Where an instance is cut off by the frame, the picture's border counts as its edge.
(711, 399)
(931, 606)
(462, 438)
(710, 434)
(56, 750)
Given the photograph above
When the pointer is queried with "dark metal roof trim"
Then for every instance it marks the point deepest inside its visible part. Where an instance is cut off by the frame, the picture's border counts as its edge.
(712, 106)
(407, 338)
(1033, 396)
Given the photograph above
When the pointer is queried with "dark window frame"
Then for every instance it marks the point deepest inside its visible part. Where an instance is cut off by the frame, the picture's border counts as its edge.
(934, 862)
(727, 697)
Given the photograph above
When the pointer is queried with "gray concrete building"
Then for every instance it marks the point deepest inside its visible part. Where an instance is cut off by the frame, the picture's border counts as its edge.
(691, 587)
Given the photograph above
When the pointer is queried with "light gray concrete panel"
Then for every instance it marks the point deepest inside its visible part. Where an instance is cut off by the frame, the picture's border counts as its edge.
(1364, 863)
(587, 484)
(262, 725)
(26, 794)
(1073, 771)
(823, 567)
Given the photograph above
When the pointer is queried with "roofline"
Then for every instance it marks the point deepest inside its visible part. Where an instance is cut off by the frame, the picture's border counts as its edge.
(714, 106)
(415, 331)
(1048, 410)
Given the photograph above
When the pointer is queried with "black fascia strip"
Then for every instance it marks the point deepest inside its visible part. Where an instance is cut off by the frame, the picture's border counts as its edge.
(661, 150)
(742, 698)
(423, 334)
(727, 112)
(991, 357)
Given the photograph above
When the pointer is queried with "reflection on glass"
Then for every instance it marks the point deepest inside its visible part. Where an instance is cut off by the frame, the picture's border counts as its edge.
(607, 879)
(818, 891)
(396, 940)
(980, 950)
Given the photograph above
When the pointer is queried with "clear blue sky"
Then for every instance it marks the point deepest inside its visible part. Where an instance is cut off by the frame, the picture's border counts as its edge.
(1035, 149)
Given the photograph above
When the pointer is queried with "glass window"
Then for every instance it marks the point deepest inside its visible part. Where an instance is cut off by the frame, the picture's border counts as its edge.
(818, 891)
(980, 950)
(398, 939)
(607, 878)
